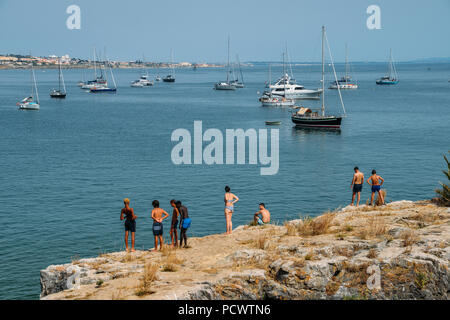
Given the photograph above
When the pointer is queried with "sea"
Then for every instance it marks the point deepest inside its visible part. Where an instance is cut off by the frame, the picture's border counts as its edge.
(65, 169)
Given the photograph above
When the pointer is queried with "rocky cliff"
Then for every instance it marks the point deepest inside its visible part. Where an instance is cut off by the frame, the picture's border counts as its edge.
(397, 251)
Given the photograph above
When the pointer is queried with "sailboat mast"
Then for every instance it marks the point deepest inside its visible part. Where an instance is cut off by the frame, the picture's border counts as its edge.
(240, 70)
(390, 63)
(95, 65)
(228, 60)
(35, 86)
(323, 71)
(59, 75)
(346, 63)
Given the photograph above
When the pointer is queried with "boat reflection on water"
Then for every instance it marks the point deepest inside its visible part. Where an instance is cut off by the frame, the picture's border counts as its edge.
(301, 131)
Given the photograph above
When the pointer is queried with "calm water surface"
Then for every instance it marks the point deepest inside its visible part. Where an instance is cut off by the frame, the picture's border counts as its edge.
(65, 169)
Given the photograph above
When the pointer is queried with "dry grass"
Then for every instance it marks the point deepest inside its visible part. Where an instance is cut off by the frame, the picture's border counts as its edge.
(291, 230)
(316, 226)
(150, 275)
(409, 238)
(429, 217)
(309, 256)
(171, 261)
(376, 226)
(129, 257)
(372, 254)
(261, 242)
(343, 251)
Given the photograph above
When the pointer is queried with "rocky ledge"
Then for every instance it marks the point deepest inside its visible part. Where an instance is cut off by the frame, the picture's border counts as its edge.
(397, 251)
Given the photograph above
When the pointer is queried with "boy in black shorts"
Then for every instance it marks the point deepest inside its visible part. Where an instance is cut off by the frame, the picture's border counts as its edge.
(127, 213)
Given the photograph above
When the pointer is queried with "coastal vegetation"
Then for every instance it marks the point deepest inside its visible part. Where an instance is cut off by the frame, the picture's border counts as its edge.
(445, 191)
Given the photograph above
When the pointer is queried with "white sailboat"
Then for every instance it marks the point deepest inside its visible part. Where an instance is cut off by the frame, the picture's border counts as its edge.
(98, 80)
(31, 102)
(346, 81)
(236, 82)
(104, 87)
(226, 85)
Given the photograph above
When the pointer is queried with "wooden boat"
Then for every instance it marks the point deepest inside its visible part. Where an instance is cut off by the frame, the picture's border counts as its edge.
(307, 118)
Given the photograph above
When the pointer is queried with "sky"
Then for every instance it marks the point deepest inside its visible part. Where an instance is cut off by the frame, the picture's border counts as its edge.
(197, 30)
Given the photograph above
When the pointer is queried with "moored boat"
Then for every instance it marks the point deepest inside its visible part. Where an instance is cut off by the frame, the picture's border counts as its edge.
(308, 118)
(58, 93)
(31, 102)
(392, 77)
(228, 84)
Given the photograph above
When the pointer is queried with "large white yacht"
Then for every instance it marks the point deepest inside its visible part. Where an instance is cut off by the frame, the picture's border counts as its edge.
(288, 88)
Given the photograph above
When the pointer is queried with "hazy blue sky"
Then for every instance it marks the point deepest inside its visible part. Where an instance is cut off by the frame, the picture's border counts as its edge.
(197, 29)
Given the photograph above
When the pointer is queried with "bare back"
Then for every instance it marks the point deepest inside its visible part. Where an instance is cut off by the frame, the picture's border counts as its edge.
(358, 178)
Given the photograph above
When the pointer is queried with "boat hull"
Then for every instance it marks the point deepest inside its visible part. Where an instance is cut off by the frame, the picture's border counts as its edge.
(226, 87)
(99, 90)
(305, 95)
(386, 82)
(58, 95)
(168, 80)
(317, 122)
(29, 106)
(344, 86)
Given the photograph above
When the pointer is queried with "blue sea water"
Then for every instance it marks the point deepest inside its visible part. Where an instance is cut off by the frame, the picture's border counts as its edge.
(65, 169)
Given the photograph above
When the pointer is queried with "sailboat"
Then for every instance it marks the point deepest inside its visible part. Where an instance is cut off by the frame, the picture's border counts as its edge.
(237, 83)
(98, 80)
(170, 77)
(392, 77)
(58, 93)
(29, 103)
(346, 81)
(105, 88)
(228, 84)
(308, 118)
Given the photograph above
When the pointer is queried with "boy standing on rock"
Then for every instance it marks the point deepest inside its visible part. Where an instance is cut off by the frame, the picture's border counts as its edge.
(127, 213)
(157, 216)
(357, 183)
(374, 181)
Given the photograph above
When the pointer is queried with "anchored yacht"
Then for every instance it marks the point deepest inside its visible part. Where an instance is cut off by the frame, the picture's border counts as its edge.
(288, 88)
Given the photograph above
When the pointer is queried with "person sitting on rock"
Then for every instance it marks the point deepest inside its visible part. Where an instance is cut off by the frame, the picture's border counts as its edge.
(265, 214)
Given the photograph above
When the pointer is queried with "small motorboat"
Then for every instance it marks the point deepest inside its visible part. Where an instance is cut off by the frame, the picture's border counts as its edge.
(169, 78)
(102, 89)
(271, 101)
(273, 123)
(224, 86)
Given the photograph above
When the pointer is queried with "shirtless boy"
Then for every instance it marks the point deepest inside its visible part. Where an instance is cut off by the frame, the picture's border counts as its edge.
(265, 214)
(356, 185)
(127, 213)
(157, 216)
(374, 181)
(174, 224)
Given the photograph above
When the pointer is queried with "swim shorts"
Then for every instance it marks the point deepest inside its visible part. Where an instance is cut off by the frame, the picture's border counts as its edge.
(130, 225)
(157, 229)
(376, 188)
(357, 187)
